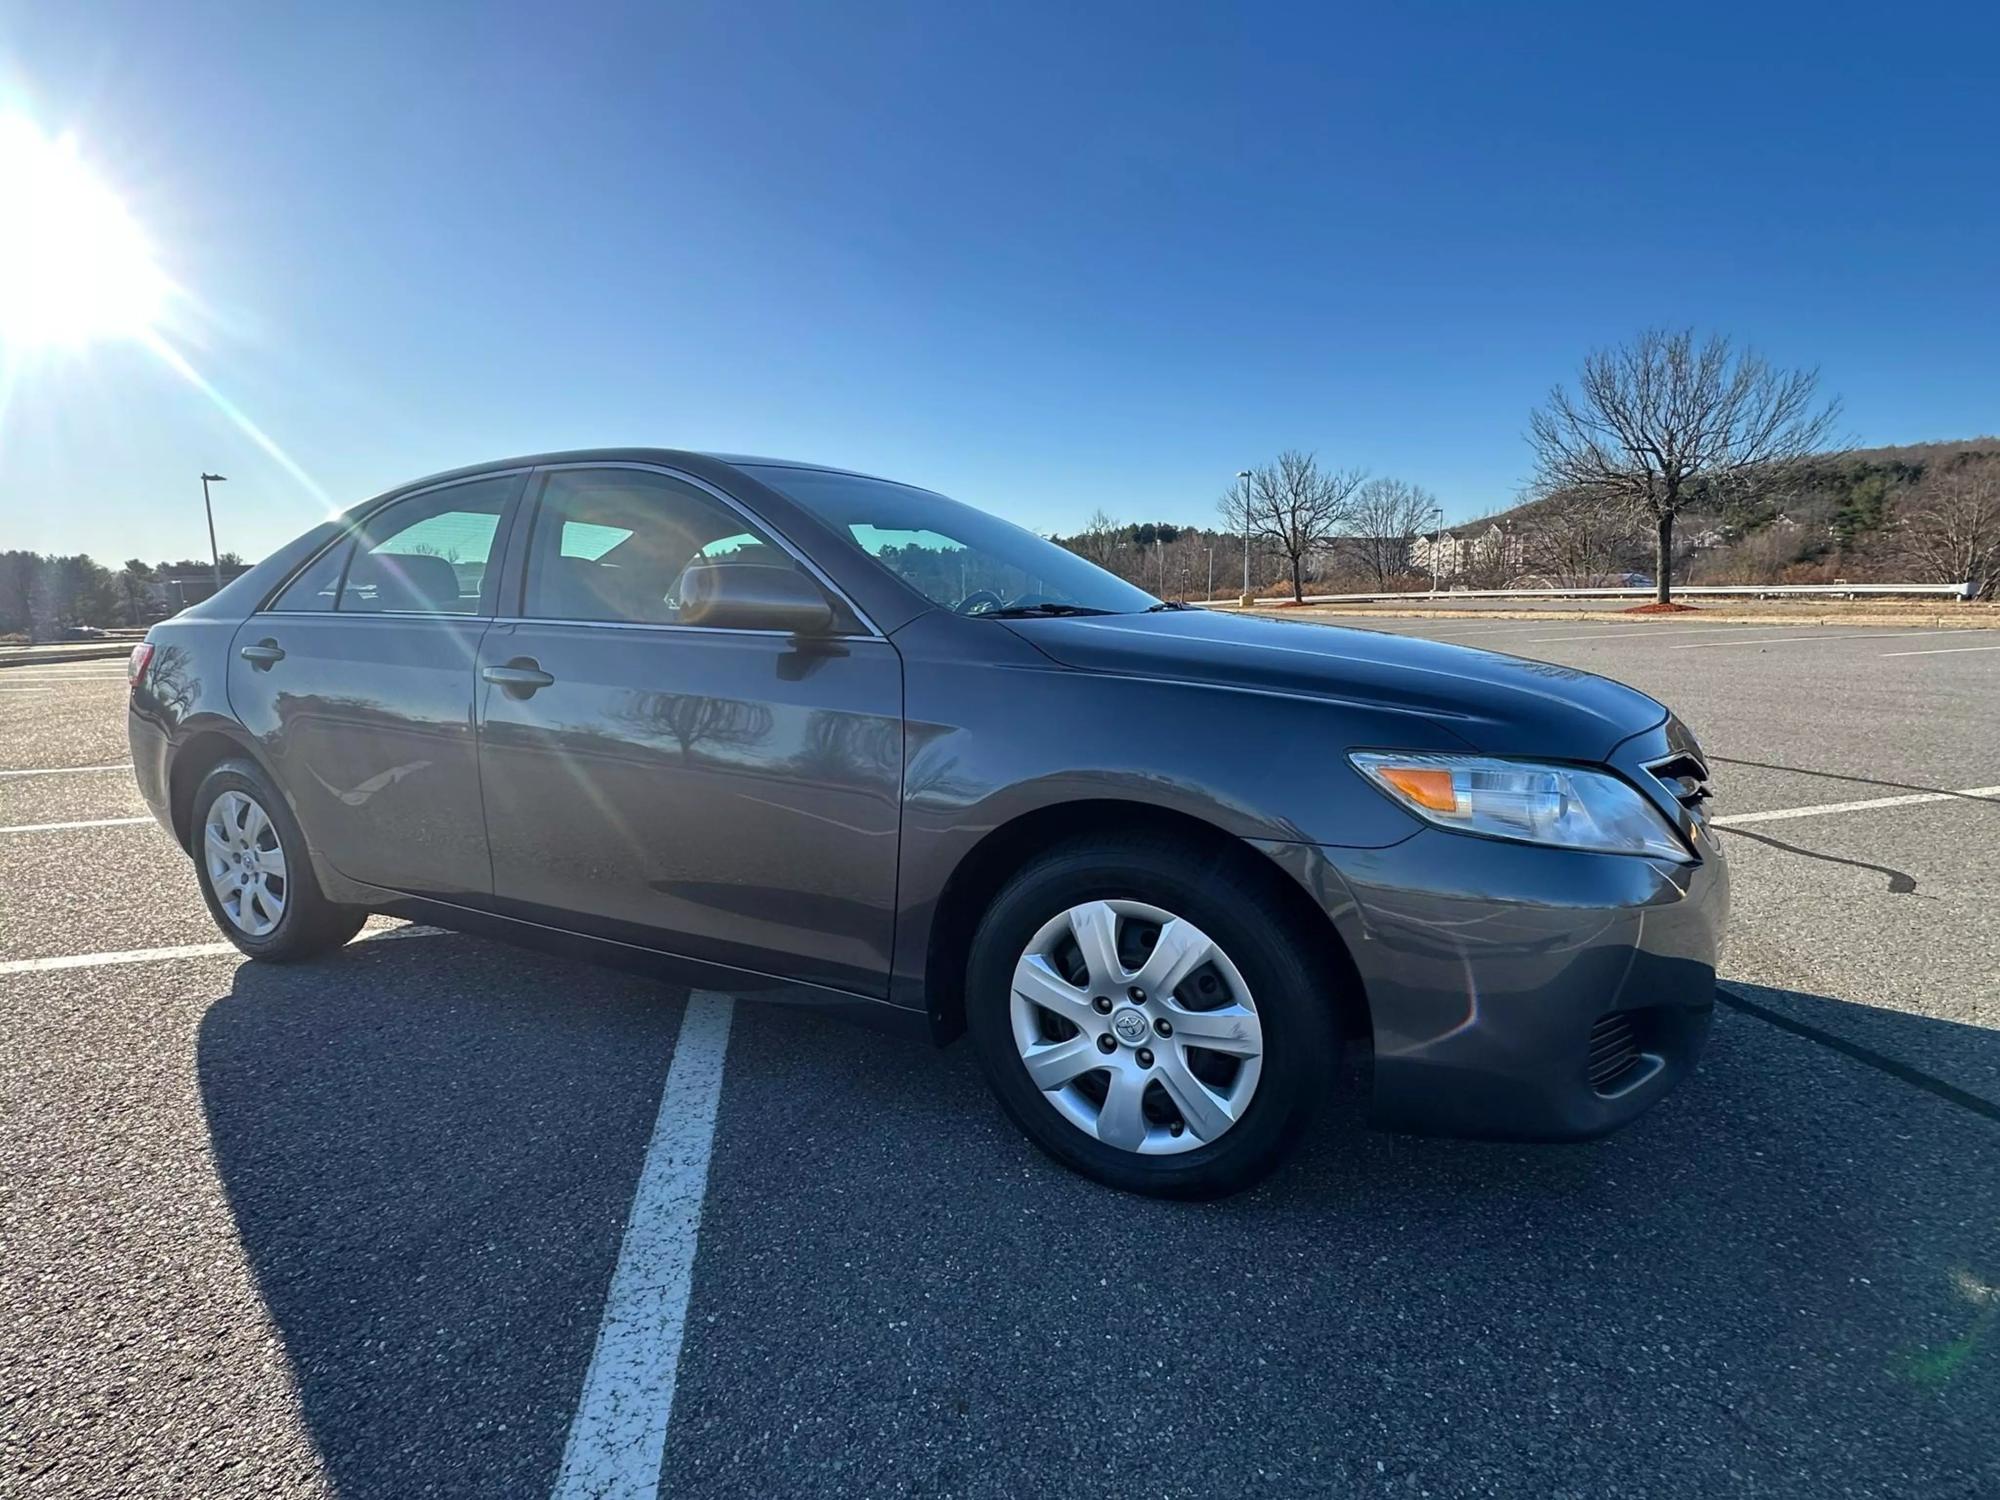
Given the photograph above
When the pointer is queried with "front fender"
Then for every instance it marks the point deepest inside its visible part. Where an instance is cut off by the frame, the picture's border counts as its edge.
(1258, 765)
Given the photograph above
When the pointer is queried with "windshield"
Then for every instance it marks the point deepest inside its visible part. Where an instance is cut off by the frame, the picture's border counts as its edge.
(953, 554)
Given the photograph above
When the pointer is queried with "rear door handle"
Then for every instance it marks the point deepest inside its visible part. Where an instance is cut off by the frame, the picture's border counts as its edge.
(523, 676)
(263, 654)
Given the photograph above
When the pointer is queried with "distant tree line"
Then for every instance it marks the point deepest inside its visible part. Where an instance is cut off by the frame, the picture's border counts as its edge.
(1671, 458)
(42, 594)
(1292, 521)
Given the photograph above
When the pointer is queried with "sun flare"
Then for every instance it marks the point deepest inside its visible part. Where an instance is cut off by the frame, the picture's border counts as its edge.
(74, 265)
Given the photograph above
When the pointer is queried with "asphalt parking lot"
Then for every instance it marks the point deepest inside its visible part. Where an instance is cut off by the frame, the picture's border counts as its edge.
(361, 1226)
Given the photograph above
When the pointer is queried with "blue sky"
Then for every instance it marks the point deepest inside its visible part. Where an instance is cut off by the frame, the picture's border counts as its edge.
(1045, 258)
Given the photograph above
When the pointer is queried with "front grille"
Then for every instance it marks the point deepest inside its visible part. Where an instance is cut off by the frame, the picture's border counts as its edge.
(1614, 1052)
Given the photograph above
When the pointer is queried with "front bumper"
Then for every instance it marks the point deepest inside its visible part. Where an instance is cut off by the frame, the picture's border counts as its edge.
(1494, 972)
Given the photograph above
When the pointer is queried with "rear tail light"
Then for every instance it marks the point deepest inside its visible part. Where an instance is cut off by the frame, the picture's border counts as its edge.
(136, 664)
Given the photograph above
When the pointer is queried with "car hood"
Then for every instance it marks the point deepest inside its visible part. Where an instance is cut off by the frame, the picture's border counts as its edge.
(1504, 705)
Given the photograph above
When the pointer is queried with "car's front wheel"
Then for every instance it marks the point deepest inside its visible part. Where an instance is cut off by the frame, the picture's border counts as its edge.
(250, 858)
(1147, 1015)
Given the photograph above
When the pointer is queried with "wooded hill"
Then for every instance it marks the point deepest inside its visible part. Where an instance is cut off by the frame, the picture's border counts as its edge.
(1911, 512)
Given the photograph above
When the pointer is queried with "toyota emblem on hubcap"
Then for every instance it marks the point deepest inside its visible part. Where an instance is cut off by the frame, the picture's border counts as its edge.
(1130, 1026)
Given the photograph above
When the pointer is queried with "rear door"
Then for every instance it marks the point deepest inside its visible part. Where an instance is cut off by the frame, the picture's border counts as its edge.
(729, 795)
(358, 683)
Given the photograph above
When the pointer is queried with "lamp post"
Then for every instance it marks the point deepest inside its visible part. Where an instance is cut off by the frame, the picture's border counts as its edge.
(1437, 541)
(214, 556)
(1243, 478)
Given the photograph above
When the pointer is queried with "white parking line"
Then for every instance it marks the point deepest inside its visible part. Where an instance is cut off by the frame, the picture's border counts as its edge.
(1608, 634)
(108, 669)
(68, 770)
(618, 1437)
(1773, 640)
(1941, 651)
(1480, 628)
(1783, 814)
(186, 950)
(38, 692)
(80, 823)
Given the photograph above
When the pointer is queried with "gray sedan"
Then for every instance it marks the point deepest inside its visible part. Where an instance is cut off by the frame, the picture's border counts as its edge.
(809, 736)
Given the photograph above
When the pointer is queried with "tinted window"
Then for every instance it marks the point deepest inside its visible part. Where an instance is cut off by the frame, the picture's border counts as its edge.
(319, 584)
(430, 554)
(950, 553)
(612, 544)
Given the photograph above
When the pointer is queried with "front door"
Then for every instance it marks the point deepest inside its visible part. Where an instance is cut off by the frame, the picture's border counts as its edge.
(729, 795)
(358, 684)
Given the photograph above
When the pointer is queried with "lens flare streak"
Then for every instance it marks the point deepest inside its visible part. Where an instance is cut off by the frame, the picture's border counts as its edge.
(175, 361)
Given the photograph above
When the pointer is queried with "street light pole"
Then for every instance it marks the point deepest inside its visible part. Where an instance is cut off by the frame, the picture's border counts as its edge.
(1437, 541)
(1243, 478)
(214, 556)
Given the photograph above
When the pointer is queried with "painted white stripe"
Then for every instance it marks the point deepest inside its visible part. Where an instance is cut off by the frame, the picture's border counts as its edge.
(33, 692)
(101, 669)
(619, 1434)
(80, 823)
(1941, 651)
(186, 950)
(1481, 628)
(1609, 633)
(1914, 799)
(1819, 634)
(68, 770)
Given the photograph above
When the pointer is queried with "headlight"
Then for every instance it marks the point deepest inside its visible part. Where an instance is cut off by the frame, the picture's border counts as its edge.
(1536, 804)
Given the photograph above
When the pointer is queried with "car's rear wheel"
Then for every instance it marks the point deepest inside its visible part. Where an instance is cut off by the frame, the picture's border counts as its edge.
(255, 875)
(1148, 1017)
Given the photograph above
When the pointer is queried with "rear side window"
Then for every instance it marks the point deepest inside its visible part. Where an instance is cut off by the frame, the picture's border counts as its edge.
(318, 587)
(613, 544)
(435, 553)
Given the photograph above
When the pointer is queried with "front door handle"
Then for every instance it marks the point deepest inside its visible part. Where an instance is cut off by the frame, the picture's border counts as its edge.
(523, 676)
(263, 654)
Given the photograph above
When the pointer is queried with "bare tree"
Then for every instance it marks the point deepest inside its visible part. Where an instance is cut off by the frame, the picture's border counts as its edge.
(1949, 530)
(1101, 540)
(1295, 505)
(1578, 539)
(1490, 553)
(1388, 514)
(1666, 419)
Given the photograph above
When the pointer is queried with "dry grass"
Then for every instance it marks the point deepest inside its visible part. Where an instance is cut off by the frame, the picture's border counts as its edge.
(1943, 615)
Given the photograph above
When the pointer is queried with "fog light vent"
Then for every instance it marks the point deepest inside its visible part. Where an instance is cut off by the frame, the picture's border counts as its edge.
(1614, 1052)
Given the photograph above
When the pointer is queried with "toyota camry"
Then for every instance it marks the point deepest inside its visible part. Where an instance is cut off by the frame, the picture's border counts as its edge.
(804, 735)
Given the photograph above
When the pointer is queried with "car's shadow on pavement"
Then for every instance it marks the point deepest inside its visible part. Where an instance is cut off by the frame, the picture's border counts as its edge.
(430, 1149)
(1779, 1282)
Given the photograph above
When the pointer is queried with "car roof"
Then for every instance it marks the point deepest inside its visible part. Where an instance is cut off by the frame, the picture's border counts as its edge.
(670, 456)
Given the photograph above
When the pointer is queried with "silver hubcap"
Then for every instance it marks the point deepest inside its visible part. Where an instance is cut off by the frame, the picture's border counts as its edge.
(246, 863)
(1136, 1027)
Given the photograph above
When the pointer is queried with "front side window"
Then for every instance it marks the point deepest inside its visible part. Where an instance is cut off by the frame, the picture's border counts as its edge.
(614, 544)
(430, 554)
(953, 554)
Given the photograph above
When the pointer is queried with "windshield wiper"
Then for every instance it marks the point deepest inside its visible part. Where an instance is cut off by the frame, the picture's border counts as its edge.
(1037, 611)
(1153, 609)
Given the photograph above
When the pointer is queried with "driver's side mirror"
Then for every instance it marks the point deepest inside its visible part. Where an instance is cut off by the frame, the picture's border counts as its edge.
(753, 596)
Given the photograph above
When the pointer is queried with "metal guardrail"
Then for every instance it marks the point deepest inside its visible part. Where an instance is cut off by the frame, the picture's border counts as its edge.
(1712, 590)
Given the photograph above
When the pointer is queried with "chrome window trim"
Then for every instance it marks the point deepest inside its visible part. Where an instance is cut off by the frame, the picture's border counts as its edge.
(695, 629)
(377, 614)
(757, 523)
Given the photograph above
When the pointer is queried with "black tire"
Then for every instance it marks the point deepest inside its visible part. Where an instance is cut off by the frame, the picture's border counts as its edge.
(308, 923)
(1232, 900)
